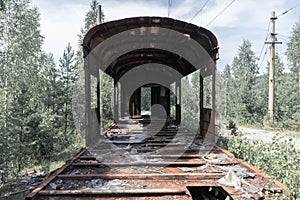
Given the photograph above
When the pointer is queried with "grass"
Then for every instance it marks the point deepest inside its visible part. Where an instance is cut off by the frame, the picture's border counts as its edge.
(13, 189)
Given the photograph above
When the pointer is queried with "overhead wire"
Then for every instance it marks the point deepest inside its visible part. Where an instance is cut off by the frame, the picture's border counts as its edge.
(197, 13)
(264, 44)
(263, 58)
(288, 10)
(221, 12)
(267, 36)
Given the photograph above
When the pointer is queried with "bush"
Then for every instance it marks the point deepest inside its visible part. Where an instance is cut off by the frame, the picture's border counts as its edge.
(279, 159)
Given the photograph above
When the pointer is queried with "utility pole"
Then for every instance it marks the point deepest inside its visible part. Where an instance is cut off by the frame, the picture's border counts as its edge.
(272, 42)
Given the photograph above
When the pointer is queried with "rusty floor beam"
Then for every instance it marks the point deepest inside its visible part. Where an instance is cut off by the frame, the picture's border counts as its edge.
(156, 164)
(165, 176)
(171, 156)
(134, 192)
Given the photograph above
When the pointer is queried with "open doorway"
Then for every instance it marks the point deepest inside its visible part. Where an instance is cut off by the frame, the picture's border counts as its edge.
(145, 101)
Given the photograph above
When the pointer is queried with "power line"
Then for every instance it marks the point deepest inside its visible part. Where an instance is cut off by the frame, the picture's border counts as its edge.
(286, 11)
(264, 44)
(263, 58)
(197, 13)
(220, 12)
(267, 36)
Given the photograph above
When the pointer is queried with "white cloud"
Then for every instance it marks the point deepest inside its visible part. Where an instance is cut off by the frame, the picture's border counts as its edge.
(244, 19)
(247, 19)
(60, 24)
(114, 9)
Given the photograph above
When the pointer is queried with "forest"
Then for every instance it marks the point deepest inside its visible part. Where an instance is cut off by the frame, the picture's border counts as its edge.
(36, 121)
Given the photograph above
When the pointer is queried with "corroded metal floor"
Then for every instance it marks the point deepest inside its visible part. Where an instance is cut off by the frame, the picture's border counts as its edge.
(133, 161)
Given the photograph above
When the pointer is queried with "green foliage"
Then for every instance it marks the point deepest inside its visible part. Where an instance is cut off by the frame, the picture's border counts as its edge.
(90, 20)
(68, 75)
(278, 159)
(244, 93)
(91, 15)
(293, 49)
(145, 98)
(189, 105)
(106, 95)
(293, 84)
(20, 51)
(36, 123)
(106, 87)
(280, 102)
(227, 92)
(244, 78)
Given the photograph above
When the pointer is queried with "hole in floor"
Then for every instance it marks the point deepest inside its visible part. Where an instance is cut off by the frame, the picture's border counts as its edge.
(208, 193)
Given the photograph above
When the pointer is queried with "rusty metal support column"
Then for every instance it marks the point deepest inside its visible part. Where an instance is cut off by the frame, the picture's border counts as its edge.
(122, 100)
(201, 112)
(213, 123)
(99, 103)
(201, 109)
(98, 92)
(87, 86)
(116, 106)
(178, 102)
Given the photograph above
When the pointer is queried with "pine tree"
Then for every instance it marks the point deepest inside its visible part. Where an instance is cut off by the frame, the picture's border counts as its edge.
(293, 89)
(106, 82)
(68, 76)
(245, 73)
(89, 22)
(106, 95)
(90, 19)
(50, 111)
(49, 83)
(228, 89)
(20, 51)
(189, 102)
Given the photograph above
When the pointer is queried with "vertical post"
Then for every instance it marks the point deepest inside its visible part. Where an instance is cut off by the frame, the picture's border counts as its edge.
(87, 104)
(99, 17)
(122, 100)
(214, 117)
(201, 112)
(178, 101)
(99, 98)
(272, 67)
(115, 100)
(119, 99)
(179, 105)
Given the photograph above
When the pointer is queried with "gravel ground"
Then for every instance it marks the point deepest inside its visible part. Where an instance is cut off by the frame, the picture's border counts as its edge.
(266, 136)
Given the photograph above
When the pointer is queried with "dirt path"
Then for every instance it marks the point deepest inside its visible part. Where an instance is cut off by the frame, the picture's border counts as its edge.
(266, 136)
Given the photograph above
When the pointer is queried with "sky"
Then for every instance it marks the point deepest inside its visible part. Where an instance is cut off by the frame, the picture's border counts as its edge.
(61, 21)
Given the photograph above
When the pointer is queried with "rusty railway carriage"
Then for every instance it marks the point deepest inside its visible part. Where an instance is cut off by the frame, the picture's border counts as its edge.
(178, 171)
